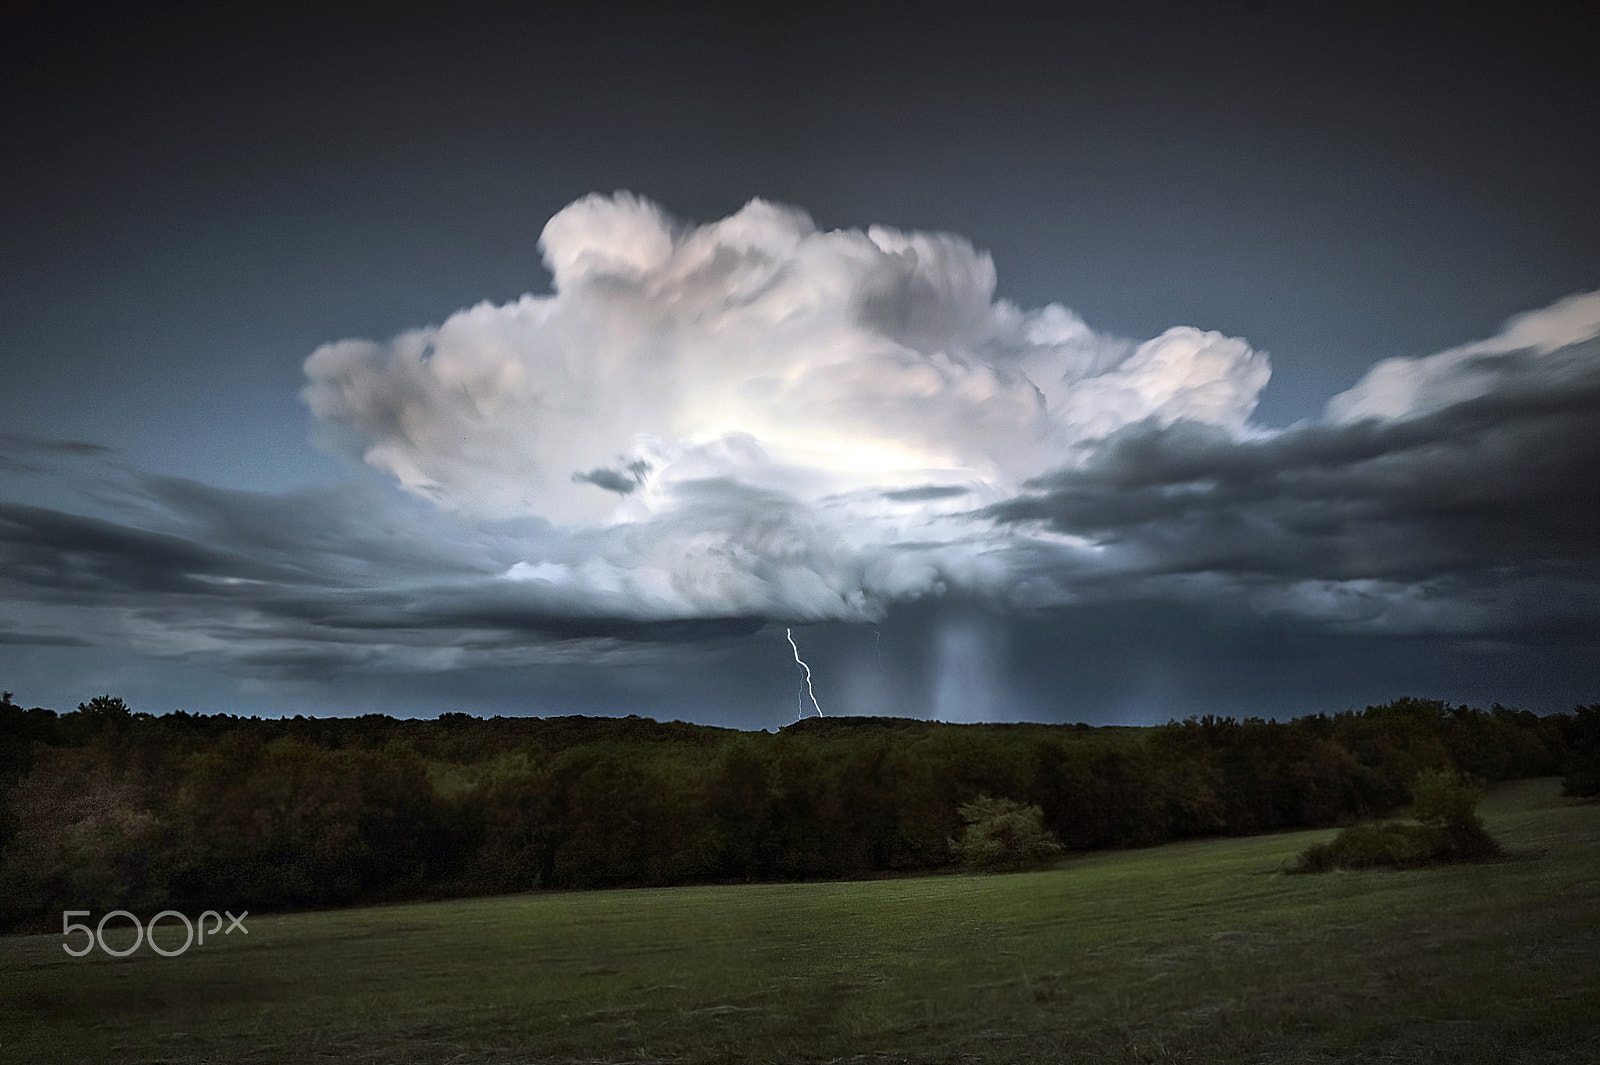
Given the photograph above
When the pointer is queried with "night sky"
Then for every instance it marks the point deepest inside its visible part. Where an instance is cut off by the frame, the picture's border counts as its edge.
(1147, 361)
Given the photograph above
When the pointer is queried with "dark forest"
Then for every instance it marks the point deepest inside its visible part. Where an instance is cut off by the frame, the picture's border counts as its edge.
(106, 808)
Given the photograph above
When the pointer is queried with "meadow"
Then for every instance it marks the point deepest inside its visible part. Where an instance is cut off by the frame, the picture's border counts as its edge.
(1195, 951)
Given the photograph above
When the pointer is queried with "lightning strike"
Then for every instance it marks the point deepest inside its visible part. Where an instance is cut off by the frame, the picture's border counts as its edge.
(801, 662)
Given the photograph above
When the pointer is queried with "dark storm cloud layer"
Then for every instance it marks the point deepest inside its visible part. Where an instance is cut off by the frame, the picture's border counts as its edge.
(36, 640)
(1477, 520)
(305, 584)
(22, 453)
(23, 442)
(87, 558)
(1504, 479)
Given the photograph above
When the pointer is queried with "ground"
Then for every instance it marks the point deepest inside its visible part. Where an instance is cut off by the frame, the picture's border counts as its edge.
(1201, 951)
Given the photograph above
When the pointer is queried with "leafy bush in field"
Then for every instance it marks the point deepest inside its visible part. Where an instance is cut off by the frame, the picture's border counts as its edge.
(1395, 846)
(1004, 834)
(1445, 803)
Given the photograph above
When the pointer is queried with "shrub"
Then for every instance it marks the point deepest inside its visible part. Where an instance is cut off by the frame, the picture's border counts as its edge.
(1444, 801)
(1396, 846)
(1004, 834)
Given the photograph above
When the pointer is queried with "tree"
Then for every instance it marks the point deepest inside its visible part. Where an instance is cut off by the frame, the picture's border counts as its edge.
(1583, 753)
(104, 715)
(1004, 834)
(1444, 798)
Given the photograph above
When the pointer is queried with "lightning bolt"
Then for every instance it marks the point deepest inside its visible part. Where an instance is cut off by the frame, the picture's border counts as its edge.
(801, 663)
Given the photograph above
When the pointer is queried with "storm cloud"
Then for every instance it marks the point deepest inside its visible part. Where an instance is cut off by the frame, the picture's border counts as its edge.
(806, 425)
(1452, 493)
(754, 416)
(706, 429)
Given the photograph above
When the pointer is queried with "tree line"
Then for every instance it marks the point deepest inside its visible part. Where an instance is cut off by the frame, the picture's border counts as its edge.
(105, 808)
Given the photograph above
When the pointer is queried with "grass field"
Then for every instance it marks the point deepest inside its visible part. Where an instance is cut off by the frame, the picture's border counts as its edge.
(1198, 951)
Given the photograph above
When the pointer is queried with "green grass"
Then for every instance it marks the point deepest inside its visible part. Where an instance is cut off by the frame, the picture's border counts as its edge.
(1199, 951)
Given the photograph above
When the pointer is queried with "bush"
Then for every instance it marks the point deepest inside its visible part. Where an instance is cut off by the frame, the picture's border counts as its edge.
(1395, 846)
(1004, 834)
(1446, 804)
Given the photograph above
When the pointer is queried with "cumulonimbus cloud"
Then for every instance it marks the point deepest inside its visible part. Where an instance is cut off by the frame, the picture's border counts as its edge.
(707, 428)
(755, 416)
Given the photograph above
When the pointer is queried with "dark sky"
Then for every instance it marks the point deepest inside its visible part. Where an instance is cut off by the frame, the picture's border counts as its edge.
(1037, 468)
